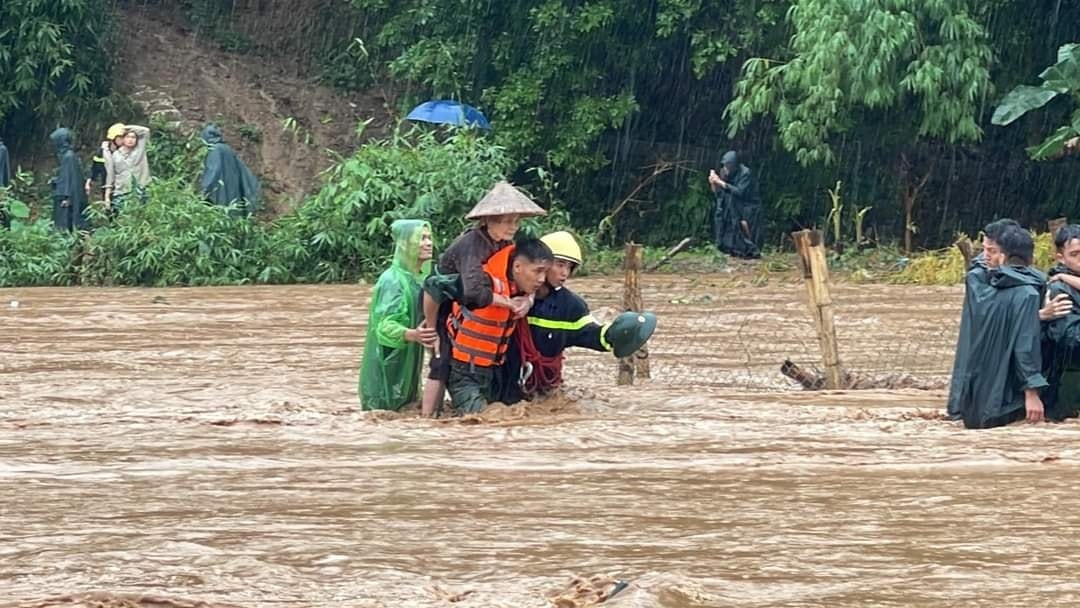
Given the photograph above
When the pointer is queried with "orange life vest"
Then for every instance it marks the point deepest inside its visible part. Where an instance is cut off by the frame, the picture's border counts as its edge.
(481, 337)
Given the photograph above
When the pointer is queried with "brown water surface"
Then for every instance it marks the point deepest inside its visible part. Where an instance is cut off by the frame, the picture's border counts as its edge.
(205, 447)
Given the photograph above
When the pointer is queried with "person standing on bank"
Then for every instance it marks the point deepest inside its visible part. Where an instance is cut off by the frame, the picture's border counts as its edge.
(737, 214)
(127, 168)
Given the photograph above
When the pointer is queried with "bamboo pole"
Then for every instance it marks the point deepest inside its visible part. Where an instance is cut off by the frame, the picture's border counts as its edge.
(636, 364)
(674, 251)
(1056, 223)
(811, 249)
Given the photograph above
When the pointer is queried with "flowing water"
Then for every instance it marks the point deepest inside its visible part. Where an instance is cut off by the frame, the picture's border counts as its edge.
(204, 447)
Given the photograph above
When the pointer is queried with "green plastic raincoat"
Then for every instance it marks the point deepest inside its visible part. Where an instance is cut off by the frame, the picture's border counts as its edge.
(226, 180)
(390, 369)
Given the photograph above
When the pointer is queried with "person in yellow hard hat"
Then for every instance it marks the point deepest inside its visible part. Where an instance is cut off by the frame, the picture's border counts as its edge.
(101, 162)
(559, 318)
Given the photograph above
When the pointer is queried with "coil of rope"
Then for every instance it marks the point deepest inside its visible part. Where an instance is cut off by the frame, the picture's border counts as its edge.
(547, 371)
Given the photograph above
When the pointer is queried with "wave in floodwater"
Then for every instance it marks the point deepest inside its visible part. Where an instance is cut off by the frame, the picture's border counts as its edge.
(204, 447)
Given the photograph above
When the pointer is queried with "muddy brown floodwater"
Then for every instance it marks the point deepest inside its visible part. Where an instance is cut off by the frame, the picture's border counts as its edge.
(204, 447)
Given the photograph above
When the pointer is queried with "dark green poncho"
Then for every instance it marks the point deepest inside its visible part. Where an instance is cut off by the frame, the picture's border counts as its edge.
(226, 180)
(68, 187)
(998, 354)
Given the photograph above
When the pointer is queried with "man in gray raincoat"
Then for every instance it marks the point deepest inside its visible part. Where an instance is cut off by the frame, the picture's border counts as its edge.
(997, 374)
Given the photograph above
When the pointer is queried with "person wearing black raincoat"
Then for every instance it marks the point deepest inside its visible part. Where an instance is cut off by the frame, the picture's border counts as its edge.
(1061, 336)
(5, 180)
(226, 180)
(68, 187)
(737, 213)
(5, 166)
(997, 374)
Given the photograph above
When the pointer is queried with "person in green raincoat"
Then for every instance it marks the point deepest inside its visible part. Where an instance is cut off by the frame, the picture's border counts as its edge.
(226, 180)
(68, 193)
(395, 340)
(997, 376)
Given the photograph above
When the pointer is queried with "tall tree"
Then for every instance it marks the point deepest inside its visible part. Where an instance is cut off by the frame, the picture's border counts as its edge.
(54, 59)
(921, 64)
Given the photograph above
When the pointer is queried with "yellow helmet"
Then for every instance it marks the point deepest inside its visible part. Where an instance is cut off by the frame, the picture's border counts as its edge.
(115, 131)
(564, 246)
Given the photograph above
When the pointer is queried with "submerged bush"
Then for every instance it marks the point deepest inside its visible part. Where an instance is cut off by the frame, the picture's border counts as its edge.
(174, 239)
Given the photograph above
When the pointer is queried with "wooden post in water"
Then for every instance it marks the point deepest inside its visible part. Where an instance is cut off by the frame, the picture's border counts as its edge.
(811, 248)
(633, 263)
(1056, 223)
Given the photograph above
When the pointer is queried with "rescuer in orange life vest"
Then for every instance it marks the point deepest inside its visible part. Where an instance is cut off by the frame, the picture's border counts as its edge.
(480, 337)
(560, 318)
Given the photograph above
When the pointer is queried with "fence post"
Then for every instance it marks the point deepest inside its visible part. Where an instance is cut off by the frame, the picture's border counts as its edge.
(637, 363)
(811, 248)
(1056, 223)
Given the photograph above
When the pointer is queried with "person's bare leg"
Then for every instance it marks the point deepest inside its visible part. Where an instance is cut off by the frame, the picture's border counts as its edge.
(745, 227)
(434, 392)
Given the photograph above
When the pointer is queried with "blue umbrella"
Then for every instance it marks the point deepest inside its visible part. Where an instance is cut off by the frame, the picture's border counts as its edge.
(447, 112)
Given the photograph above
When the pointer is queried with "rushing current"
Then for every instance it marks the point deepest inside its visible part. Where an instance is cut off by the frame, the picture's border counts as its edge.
(205, 447)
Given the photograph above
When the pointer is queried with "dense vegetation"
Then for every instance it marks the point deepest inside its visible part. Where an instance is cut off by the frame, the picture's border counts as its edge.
(341, 234)
(617, 108)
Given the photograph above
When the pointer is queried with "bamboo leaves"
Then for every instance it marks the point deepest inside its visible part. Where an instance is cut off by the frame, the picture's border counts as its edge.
(875, 54)
(1062, 78)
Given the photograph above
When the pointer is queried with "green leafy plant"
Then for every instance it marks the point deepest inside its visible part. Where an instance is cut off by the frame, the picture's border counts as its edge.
(1060, 79)
(53, 61)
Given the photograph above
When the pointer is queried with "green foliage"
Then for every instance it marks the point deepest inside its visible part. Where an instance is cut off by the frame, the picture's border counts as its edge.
(1062, 78)
(555, 75)
(175, 155)
(53, 60)
(343, 231)
(849, 57)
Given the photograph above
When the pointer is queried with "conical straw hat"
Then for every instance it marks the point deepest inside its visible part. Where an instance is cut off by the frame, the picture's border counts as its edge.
(505, 199)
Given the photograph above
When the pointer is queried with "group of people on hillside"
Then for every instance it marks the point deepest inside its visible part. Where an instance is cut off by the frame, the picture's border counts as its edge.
(120, 174)
(494, 313)
(1018, 353)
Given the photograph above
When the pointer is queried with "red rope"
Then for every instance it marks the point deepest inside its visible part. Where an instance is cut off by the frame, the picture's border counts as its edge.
(547, 371)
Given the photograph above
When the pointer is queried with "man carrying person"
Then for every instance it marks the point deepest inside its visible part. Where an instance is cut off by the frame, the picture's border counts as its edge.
(460, 276)
(997, 374)
(480, 337)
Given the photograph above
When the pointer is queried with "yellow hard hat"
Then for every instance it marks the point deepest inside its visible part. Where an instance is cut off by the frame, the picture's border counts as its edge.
(115, 131)
(564, 246)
